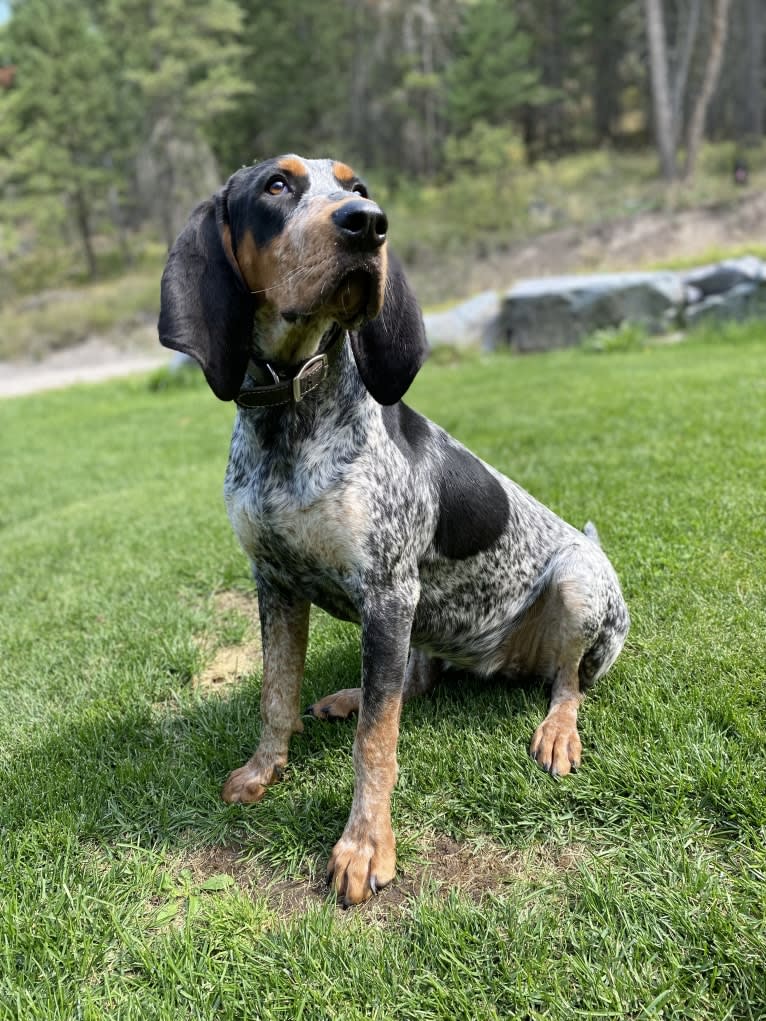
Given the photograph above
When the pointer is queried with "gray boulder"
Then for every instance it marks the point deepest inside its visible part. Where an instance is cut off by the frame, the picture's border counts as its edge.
(726, 275)
(559, 311)
(743, 301)
(472, 322)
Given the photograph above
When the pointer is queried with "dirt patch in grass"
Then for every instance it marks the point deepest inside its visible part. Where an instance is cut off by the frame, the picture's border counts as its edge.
(236, 601)
(475, 869)
(481, 868)
(228, 664)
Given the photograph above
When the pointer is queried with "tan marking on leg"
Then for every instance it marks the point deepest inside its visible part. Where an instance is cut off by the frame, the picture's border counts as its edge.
(548, 642)
(423, 672)
(284, 653)
(556, 744)
(364, 859)
(341, 705)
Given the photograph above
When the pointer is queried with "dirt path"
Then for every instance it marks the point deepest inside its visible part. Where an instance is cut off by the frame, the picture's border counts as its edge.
(91, 362)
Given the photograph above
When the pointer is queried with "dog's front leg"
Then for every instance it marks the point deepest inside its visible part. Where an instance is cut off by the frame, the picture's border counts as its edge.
(364, 859)
(284, 635)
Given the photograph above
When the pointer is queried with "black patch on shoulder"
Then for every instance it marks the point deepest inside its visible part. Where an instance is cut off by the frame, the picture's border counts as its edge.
(473, 506)
(407, 429)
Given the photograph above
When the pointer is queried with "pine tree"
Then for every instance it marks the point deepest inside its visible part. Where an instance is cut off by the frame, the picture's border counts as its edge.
(492, 75)
(57, 124)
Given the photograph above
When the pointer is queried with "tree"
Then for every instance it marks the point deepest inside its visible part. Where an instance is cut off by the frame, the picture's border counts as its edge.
(297, 58)
(754, 80)
(57, 125)
(491, 78)
(669, 83)
(187, 63)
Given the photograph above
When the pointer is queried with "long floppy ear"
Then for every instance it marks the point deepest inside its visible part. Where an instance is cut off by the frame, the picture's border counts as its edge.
(390, 349)
(206, 310)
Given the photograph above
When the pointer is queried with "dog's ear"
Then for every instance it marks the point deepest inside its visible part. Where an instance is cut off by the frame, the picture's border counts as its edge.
(206, 310)
(390, 349)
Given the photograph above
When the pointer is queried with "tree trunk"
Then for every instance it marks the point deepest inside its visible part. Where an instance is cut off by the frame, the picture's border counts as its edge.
(709, 82)
(681, 75)
(82, 216)
(662, 102)
(755, 83)
(606, 49)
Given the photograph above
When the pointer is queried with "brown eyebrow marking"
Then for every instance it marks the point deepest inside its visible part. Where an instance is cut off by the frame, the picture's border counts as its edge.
(343, 172)
(294, 166)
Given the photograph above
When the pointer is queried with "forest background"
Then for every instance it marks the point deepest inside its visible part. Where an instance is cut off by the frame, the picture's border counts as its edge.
(477, 123)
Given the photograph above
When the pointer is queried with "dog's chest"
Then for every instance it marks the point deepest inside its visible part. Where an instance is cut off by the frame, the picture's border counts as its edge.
(299, 518)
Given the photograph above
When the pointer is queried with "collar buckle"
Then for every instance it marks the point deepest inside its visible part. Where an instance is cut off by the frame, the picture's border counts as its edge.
(320, 362)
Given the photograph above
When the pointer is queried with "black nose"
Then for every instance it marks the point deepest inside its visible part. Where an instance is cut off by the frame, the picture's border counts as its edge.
(361, 224)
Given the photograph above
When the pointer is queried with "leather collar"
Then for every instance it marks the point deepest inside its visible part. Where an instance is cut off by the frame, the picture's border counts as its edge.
(301, 380)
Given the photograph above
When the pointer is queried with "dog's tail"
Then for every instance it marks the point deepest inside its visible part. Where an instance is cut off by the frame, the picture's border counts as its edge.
(592, 532)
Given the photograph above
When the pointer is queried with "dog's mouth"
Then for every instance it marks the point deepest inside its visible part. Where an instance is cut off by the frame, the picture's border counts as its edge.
(352, 300)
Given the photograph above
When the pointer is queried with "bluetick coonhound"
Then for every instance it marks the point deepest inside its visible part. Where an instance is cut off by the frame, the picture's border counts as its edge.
(282, 288)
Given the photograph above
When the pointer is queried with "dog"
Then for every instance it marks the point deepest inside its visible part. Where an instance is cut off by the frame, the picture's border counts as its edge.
(282, 287)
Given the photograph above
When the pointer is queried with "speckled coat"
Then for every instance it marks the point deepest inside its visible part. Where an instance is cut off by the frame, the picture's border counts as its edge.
(350, 500)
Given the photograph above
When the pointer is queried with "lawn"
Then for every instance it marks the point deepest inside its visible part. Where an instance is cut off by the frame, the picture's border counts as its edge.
(633, 889)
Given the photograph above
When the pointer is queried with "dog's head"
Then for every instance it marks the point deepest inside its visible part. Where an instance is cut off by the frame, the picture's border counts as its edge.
(266, 267)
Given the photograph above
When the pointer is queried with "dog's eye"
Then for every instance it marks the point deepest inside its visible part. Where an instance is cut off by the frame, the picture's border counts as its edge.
(276, 185)
(360, 189)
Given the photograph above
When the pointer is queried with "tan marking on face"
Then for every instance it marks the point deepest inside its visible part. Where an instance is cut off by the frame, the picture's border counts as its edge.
(382, 279)
(261, 267)
(293, 165)
(343, 172)
(300, 271)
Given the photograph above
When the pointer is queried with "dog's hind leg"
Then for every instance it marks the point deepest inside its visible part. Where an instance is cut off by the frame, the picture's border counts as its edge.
(556, 744)
(574, 633)
(422, 673)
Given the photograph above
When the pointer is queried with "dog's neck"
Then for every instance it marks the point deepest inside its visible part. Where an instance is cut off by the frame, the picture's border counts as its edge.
(335, 415)
(270, 384)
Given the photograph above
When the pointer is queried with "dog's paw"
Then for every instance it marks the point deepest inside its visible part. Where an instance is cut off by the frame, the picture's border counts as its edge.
(361, 865)
(556, 746)
(341, 705)
(248, 784)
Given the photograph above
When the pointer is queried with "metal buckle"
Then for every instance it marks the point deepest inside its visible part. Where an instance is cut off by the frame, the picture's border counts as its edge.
(298, 393)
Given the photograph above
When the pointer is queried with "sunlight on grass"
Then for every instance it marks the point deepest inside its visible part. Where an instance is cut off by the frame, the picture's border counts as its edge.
(631, 889)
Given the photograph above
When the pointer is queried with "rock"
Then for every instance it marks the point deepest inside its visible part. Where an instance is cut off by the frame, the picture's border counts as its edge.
(472, 322)
(723, 276)
(559, 311)
(743, 301)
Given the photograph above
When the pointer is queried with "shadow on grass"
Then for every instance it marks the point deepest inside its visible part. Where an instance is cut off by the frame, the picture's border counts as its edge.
(150, 774)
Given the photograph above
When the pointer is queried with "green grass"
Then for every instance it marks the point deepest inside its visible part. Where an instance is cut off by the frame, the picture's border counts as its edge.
(634, 889)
